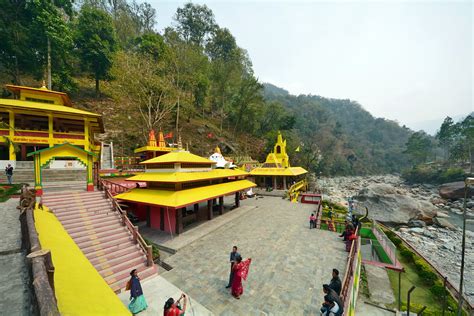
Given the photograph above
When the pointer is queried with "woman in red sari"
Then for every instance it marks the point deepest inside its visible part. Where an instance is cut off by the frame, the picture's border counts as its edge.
(237, 288)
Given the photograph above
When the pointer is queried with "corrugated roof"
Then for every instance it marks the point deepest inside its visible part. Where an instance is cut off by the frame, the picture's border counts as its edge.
(176, 177)
(177, 199)
(291, 171)
(178, 156)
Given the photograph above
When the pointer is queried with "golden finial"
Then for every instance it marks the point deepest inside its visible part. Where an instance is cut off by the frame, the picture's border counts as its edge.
(43, 87)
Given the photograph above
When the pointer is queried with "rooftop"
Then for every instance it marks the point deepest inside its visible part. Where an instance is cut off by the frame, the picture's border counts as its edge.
(181, 156)
(176, 177)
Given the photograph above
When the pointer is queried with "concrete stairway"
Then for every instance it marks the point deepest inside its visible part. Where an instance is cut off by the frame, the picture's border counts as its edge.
(107, 157)
(96, 228)
(24, 173)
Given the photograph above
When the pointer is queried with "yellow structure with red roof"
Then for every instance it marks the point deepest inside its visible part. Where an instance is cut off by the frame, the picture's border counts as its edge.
(176, 184)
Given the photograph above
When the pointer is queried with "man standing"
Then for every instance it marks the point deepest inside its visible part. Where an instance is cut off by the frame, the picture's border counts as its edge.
(336, 283)
(9, 173)
(233, 256)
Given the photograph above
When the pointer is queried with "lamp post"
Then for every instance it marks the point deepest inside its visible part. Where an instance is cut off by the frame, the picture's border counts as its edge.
(468, 182)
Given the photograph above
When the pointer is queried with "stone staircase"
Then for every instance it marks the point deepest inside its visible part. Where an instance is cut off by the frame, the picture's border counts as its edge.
(97, 229)
(106, 158)
(24, 173)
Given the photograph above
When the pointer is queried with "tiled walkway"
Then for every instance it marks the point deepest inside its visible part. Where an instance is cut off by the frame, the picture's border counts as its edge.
(289, 262)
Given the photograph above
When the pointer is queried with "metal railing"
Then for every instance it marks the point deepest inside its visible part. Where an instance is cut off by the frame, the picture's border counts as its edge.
(147, 249)
(294, 190)
(387, 245)
(350, 282)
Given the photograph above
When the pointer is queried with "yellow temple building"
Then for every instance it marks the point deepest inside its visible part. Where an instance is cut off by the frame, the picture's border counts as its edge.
(182, 188)
(38, 118)
(277, 172)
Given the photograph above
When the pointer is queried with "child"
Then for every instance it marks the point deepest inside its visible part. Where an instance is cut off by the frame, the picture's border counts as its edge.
(312, 221)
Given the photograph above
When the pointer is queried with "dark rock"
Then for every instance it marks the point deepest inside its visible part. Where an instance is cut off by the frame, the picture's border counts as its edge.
(416, 223)
(454, 190)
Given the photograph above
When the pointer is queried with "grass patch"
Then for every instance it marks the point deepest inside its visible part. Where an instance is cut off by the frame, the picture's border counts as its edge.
(7, 190)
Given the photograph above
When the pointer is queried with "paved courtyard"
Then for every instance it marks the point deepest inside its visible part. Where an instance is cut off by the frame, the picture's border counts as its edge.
(290, 262)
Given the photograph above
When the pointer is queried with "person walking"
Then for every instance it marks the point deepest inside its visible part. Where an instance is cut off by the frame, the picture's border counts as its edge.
(312, 221)
(336, 283)
(137, 299)
(9, 173)
(233, 255)
(173, 308)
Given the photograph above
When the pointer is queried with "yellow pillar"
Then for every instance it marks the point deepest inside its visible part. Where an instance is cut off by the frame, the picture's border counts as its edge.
(50, 130)
(37, 168)
(86, 134)
(11, 122)
(90, 177)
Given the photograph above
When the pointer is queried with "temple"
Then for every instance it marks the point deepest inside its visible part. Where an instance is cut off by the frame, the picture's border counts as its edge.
(38, 118)
(277, 172)
(182, 188)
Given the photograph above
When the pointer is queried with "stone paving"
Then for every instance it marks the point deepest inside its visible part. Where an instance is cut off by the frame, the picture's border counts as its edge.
(290, 262)
(15, 298)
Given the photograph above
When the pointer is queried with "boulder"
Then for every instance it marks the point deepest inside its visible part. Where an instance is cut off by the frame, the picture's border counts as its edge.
(442, 214)
(386, 204)
(454, 190)
(442, 222)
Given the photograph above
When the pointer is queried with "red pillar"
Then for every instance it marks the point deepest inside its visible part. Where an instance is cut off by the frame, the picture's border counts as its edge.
(221, 205)
(209, 210)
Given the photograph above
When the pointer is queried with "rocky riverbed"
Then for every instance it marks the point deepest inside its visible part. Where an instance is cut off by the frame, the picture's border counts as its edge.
(432, 224)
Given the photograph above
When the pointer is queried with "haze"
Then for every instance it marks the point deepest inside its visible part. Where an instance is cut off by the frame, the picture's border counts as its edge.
(410, 62)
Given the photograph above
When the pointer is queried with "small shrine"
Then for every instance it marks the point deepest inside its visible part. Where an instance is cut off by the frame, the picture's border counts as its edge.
(182, 188)
(154, 148)
(276, 172)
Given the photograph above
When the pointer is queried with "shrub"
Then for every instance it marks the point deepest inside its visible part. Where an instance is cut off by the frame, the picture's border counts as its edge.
(406, 253)
(438, 290)
(425, 272)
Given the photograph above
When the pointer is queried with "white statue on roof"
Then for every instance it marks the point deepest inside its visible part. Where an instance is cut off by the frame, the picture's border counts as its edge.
(220, 161)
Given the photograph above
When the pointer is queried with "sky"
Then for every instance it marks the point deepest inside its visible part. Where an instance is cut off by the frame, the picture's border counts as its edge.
(405, 61)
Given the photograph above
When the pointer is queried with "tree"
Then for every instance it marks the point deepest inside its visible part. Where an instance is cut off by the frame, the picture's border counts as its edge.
(194, 23)
(144, 89)
(418, 147)
(446, 135)
(96, 42)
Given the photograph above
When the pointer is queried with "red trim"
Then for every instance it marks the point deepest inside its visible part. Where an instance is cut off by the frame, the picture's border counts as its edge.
(37, 134)
(68, 136)
(90, 187)
(39, 192)
(4, 132)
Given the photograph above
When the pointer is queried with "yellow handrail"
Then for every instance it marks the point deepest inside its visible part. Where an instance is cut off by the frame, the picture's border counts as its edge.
(295, 189)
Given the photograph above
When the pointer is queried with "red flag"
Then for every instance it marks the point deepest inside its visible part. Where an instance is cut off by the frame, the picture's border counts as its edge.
(169, 135)
(245, 268)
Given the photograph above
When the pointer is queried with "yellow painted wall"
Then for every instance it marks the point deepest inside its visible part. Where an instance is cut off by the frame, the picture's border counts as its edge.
(80, 290)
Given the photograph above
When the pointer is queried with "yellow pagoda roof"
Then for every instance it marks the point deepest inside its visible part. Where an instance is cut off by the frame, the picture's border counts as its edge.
(40, 91)
(176, 177)
(177, 199)
(153, 148)
(178, 156)
(39, 106)
(291, 171)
